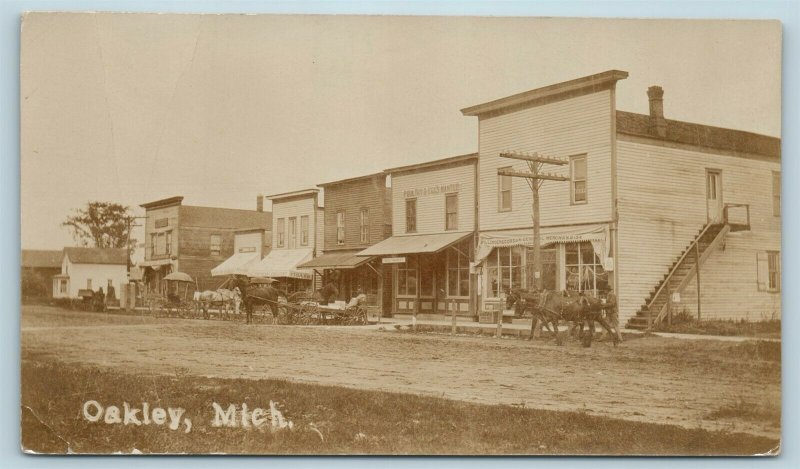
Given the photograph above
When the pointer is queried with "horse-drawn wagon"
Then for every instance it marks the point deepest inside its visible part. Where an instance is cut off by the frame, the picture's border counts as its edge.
(169, 301)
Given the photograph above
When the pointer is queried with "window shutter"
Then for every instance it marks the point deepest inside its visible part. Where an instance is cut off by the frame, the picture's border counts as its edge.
(762, 271)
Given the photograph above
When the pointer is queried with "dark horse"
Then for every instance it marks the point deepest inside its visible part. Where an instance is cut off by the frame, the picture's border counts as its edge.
(549, 307)
(327, 293)
(262, 295)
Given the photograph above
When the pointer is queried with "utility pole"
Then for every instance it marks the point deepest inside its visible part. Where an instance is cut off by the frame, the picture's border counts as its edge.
(534, 177)
(131, 225)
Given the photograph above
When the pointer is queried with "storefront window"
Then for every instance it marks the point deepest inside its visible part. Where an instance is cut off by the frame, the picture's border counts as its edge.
(504, 270)
(584, 270)
(458, 270)
(407, 278)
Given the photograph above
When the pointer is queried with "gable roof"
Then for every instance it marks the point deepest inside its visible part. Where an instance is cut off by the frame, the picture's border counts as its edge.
(36, 258)
(452, 160)
(115, 256)
(704, 136)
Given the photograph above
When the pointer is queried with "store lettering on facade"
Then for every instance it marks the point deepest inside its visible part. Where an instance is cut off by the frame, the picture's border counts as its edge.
(431, 190)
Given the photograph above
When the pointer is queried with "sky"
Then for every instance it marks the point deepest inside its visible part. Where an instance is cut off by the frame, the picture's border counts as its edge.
(132, 108)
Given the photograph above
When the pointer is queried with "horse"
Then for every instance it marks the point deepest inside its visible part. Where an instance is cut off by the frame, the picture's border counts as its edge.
(549, 308)
(260, 296)
(221, 298)
(522, 300)
(577, 307)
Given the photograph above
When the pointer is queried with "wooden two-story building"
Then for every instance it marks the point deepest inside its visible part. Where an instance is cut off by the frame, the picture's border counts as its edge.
(357, 215)
(297, 221)
(433, 225)
(194, 240)
(651, 207)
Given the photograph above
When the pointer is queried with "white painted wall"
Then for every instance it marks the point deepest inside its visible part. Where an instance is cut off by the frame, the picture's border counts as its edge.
(100, 274)
(580, 125)
(662, 204)
(431, 207)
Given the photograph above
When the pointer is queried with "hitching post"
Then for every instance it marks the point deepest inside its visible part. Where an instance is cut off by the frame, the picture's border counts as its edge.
(453, 325)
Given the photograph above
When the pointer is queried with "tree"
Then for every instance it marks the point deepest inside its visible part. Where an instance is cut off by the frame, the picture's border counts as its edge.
(102, 224)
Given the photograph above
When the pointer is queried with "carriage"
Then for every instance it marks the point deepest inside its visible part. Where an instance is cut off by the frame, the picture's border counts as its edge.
(173, 299)
(88, 301)
(303, 308)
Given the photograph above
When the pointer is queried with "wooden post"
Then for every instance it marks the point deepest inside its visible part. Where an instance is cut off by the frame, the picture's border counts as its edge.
(697, 272)
(537, 249)
(499, 332)
(669, 307)
(453, 325)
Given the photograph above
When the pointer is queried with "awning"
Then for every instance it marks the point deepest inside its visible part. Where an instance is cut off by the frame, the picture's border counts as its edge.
(283, 263)
(336, 260)
(155, 263)
(237, 264)
(414, 244)
(597, 234)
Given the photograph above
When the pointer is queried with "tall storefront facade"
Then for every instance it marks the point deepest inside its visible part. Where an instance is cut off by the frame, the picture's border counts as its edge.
(433, 237)
(357, 215)
(571, 122)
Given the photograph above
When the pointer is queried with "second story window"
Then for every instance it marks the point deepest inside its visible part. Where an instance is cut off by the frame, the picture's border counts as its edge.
(215, 245)
(451, 212)
(281, 229)
(578, 179)
(411, 215)
(504, 192)
(304, 230)
(776, 193)
(292, 232)
(340, 227)
(364, 225)
(168, 242)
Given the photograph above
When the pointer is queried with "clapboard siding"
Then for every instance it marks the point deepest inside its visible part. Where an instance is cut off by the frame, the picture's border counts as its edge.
(580, 125)
(351, 197)
(294, 208)
(662, 207)
(431, 207)
(728, 287)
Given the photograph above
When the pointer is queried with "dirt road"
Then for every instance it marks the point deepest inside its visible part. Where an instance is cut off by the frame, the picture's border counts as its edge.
(688, 383)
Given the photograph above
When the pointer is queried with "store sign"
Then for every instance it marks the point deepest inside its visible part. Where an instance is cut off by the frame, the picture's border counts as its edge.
(431, 190)
(394, 260)
(162, 222)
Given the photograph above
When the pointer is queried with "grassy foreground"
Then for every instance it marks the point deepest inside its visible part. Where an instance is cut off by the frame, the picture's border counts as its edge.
(329, 420)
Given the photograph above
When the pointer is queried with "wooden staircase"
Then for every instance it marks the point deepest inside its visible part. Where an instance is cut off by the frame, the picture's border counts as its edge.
(682, 271)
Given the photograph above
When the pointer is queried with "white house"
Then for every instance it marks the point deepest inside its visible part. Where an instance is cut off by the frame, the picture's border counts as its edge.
(90, 268)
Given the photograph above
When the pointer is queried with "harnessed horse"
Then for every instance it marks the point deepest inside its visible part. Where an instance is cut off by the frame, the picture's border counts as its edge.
(551, 307)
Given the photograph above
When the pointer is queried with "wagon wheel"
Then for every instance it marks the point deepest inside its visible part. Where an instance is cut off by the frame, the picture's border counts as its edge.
(307, 314)
(360, 317)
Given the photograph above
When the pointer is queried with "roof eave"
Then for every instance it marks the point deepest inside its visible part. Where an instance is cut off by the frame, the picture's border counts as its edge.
(589, 83)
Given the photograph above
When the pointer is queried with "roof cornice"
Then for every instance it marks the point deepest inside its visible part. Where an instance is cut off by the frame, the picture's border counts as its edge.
(556, 92)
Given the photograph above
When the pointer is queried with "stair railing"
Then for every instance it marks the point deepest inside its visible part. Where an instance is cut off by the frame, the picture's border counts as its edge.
(666, 280)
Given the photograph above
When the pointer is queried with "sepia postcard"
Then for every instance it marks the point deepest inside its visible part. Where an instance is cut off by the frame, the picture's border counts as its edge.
(399, 235)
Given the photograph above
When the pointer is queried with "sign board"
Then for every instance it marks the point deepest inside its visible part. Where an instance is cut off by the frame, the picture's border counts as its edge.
(394, 260)
(676, 297)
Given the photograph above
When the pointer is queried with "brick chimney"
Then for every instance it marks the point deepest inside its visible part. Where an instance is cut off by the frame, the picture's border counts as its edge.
(658, 124)
(260, 203)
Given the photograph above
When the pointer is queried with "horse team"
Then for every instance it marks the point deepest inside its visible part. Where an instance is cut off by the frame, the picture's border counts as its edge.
(549, 308)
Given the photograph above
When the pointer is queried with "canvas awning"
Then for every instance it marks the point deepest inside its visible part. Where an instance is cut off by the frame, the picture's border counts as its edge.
(337, 260)
(414, 244)
(597, 234)
(237, 264)
(283, 263)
